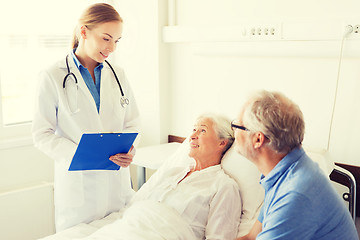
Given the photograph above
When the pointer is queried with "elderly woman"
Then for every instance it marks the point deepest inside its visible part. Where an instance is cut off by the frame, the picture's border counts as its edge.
(196, 186)
(189, 197)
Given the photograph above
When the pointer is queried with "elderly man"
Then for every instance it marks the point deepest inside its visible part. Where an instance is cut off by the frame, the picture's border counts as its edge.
(300, 202)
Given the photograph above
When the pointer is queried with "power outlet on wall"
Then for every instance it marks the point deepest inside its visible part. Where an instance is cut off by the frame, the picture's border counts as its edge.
(265, 31)
(356, 29)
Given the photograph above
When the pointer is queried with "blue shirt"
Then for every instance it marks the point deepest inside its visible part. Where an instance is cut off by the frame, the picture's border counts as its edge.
(93, 88)
(301, 203)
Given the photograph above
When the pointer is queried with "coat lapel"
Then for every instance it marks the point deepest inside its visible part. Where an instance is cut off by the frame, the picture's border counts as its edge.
(83, 90)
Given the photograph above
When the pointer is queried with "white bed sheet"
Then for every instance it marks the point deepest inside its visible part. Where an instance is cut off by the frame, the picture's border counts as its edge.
(146, 220)
(83, 230)
(142, 221)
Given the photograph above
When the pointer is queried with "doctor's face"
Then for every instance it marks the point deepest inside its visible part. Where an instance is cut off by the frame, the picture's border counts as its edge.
(101, 41)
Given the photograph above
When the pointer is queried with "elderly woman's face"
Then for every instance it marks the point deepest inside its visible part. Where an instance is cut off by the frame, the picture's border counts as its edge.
(204, 140)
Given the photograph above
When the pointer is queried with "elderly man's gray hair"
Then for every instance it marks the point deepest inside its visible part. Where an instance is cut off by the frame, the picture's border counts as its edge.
(278, 118)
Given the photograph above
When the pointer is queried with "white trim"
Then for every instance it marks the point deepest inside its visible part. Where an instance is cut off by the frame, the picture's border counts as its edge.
(27, 188)
(171, 12)
(15, 143)
(324, 49)
(258, 31)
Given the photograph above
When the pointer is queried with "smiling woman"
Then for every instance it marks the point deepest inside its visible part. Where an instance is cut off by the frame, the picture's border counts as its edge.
(209, 140)
(28, 42)
(82, 93)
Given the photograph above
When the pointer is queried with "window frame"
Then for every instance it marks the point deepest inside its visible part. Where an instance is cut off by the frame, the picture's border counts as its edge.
(19, 134)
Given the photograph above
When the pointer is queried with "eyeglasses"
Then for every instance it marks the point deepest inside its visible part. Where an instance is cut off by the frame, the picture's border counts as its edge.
(233, 126)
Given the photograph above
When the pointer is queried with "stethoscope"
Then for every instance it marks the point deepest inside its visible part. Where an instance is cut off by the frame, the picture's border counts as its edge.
(123, 100)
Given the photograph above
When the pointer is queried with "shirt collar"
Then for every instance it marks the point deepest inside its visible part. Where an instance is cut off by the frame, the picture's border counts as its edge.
(78, 63)
(268, 181)
(212, 168)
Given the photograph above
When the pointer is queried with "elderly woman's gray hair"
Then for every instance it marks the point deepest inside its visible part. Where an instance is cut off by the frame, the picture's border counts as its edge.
(222, 126)
(278, 118)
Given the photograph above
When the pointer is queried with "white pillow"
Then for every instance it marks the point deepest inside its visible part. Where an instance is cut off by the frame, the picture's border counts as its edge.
(252, 193)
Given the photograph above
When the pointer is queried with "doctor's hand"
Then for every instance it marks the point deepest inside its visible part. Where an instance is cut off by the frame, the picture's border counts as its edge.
(123, 159)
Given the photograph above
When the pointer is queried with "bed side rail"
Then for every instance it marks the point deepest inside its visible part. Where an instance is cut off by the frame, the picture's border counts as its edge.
(346, 178)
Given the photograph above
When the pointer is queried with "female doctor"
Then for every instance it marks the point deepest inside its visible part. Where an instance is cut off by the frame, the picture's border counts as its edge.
(84, 93)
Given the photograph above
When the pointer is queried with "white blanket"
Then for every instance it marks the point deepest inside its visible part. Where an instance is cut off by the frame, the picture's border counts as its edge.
(146, 220)
(142, 221)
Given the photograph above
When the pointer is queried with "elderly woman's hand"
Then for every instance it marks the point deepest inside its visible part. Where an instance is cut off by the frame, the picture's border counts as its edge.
(123, 159)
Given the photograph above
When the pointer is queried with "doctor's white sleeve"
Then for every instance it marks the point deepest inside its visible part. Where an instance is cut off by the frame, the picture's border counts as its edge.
(45, 120)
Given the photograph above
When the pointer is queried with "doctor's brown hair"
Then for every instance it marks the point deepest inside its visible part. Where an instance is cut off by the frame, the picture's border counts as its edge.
(92, 16)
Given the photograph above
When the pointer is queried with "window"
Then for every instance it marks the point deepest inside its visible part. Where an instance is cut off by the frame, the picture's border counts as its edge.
(34, 34)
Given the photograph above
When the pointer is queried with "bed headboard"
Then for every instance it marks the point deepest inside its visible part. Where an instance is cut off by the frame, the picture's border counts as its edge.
(173, 138)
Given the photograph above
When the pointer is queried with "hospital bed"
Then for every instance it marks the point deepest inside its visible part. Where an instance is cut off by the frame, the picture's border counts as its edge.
(239, 168)
(339, 173)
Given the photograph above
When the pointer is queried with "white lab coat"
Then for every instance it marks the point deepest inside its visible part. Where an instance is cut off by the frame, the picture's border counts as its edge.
(82, 196)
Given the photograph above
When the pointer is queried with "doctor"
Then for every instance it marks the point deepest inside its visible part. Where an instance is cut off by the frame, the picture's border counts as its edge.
(92, 98)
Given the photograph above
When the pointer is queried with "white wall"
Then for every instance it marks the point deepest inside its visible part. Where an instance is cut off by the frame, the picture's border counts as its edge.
(143, 55)
(26, 193)
(215, 63)
(23, 167)
(27, 213)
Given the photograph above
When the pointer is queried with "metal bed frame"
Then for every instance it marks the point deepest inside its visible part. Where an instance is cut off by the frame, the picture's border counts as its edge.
(347, 179)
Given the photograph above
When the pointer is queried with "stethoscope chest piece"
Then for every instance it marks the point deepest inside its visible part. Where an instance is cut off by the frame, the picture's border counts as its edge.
(124, 101)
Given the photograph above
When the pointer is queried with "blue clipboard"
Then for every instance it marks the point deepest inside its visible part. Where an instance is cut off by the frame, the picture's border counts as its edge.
(94, 150)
